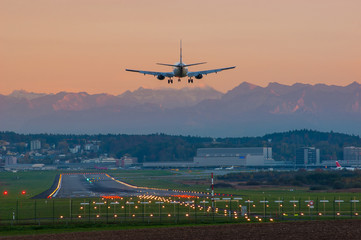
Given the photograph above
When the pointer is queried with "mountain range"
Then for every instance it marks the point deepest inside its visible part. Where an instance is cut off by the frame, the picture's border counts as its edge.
(246, 110)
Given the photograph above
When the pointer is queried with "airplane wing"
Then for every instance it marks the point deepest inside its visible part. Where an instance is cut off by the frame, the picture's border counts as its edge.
(192, 74)
(166, 74)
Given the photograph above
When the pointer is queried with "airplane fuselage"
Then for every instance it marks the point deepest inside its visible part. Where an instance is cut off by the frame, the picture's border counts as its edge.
(180, 71)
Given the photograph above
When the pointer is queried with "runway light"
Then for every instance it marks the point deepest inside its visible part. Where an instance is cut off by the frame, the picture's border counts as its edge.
(271, 219)
(79, 216)
(5, 192)
(61, 217)
(356, 214)
(98, 216)
(115, 215)
(338, 214)
(319, 214)
(23, 192)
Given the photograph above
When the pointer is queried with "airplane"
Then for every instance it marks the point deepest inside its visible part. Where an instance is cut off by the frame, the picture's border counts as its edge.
(230, 168)
(338, 167)
(220, 168)
(180, 70)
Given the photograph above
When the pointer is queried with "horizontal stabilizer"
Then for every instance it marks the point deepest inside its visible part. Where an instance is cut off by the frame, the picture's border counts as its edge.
(193, 64)
(166, 64)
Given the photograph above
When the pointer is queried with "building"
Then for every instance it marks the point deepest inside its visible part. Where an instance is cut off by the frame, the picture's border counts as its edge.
(352, 154)
(35, 145)
(307, 156)
(91, 147)
(244, 157)
(75, 149)
(127, 161)
(10, 160)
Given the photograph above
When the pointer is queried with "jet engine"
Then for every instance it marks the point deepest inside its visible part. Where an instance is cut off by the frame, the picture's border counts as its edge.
(160, 77)
(199, 76)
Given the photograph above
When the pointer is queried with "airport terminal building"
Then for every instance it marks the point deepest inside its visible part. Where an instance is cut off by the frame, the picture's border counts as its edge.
(224, 157)
(242, 157)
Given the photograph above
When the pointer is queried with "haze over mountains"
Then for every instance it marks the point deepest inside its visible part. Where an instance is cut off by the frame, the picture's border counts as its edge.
(246, 110)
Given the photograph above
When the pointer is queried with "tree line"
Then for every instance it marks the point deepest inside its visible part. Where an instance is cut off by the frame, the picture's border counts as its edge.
(164, 148)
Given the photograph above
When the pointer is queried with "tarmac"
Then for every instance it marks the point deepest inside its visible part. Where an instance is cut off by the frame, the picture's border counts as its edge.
(98, 185)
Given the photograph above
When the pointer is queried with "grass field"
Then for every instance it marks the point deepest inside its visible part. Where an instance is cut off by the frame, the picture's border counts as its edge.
(33, 182)
(277, 203)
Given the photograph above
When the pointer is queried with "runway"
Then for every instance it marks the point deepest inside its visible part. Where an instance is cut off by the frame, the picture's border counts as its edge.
(98, 185)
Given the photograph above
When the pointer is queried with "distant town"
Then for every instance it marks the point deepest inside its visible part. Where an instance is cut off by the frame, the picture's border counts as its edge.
(289, 150)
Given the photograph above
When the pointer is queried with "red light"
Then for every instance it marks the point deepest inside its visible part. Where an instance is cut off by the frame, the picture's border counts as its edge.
(5, 192)
(23, 192)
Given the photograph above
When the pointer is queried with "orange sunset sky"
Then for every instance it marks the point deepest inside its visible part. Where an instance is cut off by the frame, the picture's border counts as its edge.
(85, 45)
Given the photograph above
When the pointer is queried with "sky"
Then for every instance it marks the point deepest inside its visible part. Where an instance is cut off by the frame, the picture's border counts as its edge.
(86, 45)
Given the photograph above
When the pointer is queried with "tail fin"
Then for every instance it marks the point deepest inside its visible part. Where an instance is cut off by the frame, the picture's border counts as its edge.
(180, 56)
(337, 164)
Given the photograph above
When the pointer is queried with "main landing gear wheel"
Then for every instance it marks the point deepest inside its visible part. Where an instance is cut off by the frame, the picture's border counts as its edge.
(179, 79)
(190, 80)
(170, 81)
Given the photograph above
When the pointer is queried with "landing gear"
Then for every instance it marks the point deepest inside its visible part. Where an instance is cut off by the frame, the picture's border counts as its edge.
(170, 81)
(179, 80)
(190, 80)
